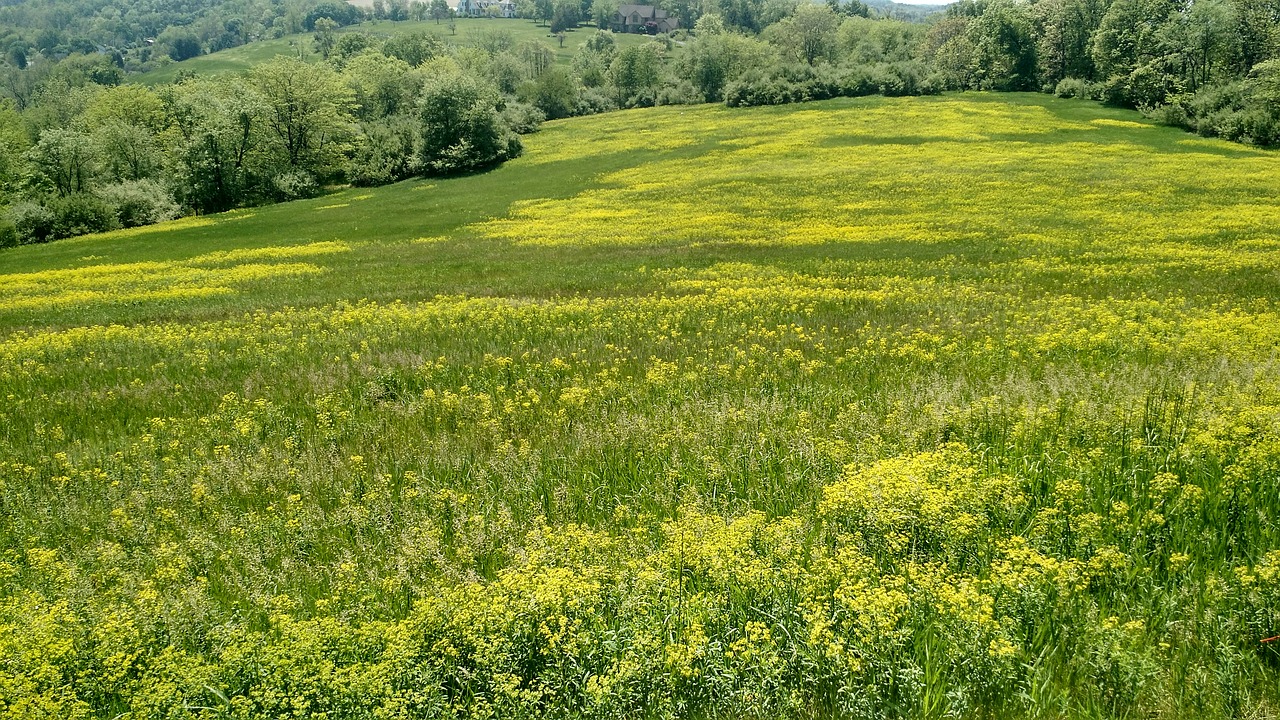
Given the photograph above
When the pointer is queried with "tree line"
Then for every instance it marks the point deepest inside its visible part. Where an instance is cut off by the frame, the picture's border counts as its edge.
(84, 157)
(138, 33)
(81, 150)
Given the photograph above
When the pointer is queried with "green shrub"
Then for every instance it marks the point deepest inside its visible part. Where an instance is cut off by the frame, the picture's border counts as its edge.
(900, 79)
(1261, 126)
(1072, 88)
(1240, 111)
(32, 221)
(387, 152)
(140, 202)
(462, 128)
(294, 185)
(801, 83)
(8, 233)
(523, 118)
(680, 93)
(593, 102)
(555, 93)
(81, 214)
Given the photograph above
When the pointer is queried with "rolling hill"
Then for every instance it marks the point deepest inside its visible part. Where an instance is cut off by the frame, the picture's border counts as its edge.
(466, 31)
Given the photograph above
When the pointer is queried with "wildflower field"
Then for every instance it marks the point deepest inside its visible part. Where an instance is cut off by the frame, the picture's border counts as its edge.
(963, 406)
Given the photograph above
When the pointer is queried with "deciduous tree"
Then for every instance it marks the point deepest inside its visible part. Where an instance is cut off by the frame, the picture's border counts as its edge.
(635, 74)
(307, 113)
(460, 123)
(65, 160)
(324, 36)
(808, 35)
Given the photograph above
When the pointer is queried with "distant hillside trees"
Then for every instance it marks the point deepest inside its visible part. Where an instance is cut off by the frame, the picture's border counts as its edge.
(181, 44)
(565, 14)
(75, 139)
(85, 157)
(337, 11)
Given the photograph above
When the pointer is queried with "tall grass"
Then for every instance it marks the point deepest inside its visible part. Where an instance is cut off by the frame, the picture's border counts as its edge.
(947, 407)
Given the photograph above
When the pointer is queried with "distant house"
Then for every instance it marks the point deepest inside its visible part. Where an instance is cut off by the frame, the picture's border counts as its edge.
(643, 19)
(483, 8)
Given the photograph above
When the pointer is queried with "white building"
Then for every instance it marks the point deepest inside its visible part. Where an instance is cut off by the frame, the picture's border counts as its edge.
(483, 8)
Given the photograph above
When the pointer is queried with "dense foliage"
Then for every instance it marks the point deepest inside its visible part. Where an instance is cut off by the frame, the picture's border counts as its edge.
(836, 410)
(86, 157)
(133, 32)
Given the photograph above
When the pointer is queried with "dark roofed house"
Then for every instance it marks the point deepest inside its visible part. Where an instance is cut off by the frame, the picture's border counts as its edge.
(644, 19)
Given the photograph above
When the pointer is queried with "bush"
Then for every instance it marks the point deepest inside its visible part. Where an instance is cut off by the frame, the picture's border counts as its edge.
(387, 152)
(506, 71)
(32, 221)
(140, 202)
(1261, 126)
(8, 233)
(462, 128)
(857, 82)
(1072, 88)
(1115, 91)
(350, 45)
(555, 92)
(414, 48)
(934, 84)
(1151, 84)
(1232, 111)
(645, 97)
(294, 185)
(899, 79)
(593, 102)
(523, 118)
(81, 214)
(1175, 113)
(681, 93)
(801, 83)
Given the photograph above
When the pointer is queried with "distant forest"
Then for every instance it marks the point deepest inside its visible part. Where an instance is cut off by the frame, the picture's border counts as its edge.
(83, 150)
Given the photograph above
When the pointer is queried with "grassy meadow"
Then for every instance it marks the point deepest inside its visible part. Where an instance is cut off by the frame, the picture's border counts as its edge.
(960, 406)
(466, 32)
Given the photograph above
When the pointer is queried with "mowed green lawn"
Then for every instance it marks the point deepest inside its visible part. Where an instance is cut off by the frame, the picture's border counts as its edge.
(952, 406)
(466, 31)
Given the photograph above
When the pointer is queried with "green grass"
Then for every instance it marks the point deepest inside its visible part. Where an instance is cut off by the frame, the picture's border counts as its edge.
(955, 406)
(240, 59)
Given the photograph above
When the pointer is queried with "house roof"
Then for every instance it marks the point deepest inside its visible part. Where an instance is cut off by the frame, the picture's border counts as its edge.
(644, 11)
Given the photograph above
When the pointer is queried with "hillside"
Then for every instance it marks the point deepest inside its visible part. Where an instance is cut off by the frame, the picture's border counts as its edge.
(914, 407)
(465, 32)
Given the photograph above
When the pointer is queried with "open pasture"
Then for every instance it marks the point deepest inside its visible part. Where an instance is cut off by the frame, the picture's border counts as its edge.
(963, 406)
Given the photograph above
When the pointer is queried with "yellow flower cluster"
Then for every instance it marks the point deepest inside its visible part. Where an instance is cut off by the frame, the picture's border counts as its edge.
(203, 276)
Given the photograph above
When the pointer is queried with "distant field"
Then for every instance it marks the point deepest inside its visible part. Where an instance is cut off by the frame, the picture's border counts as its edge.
(962, 406)
(239, 59)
